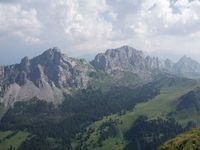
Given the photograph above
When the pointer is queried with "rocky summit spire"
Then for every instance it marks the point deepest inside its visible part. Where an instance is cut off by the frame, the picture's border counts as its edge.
(52, 51)
(54, 54)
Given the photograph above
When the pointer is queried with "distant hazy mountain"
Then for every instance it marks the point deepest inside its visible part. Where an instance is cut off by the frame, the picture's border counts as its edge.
(187, 67)
(51, 74)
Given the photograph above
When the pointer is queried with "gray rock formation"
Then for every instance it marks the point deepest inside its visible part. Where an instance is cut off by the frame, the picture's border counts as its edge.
(51, 74)
(129, 59)
(46, 76)
(123, 59)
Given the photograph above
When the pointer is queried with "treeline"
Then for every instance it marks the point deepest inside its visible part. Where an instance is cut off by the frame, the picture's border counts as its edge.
(149, 134)
(60, 123)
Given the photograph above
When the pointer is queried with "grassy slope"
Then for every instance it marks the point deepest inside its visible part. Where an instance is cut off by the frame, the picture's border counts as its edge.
(2, 110)
(187, 141)
(159, 106)
(10, 138)
(104, 81)
(185, 117)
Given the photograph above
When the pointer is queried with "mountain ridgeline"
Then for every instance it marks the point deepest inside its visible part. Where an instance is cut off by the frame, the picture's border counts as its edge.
(46, 76)
(121, 100)
(53, 74)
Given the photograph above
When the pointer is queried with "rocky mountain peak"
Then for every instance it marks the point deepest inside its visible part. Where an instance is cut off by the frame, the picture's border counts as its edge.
(25, 64)
(187, 67)
(24, 60)
(52, 55)
(52, 52)
(124, 58)
(46, 76)
(186, 59)
(124, 50)
(129, 59)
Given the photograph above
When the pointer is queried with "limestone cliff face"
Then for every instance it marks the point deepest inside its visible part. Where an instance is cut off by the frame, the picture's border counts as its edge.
(46, 76)
(127, 58)
(123, 59)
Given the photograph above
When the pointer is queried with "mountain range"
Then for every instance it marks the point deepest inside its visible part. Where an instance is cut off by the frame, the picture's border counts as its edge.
(53, 74)
(123, 99)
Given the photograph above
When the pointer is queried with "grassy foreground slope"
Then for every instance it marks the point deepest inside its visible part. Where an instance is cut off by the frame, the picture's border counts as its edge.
(12, 140)
(2, 110)
(109, 132)
(103, 81)
(187, 141)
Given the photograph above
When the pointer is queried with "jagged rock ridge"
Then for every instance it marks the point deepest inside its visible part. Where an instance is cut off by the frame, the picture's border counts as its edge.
(46, 76)
(51, 74)
(127, 58)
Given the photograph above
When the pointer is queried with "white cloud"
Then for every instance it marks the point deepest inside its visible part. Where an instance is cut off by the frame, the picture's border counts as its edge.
(164, 17)
(19, 22)
(82, 19)
(89, 25)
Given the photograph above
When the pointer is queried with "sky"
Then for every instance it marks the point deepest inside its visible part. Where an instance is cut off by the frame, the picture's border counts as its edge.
(168, 28)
